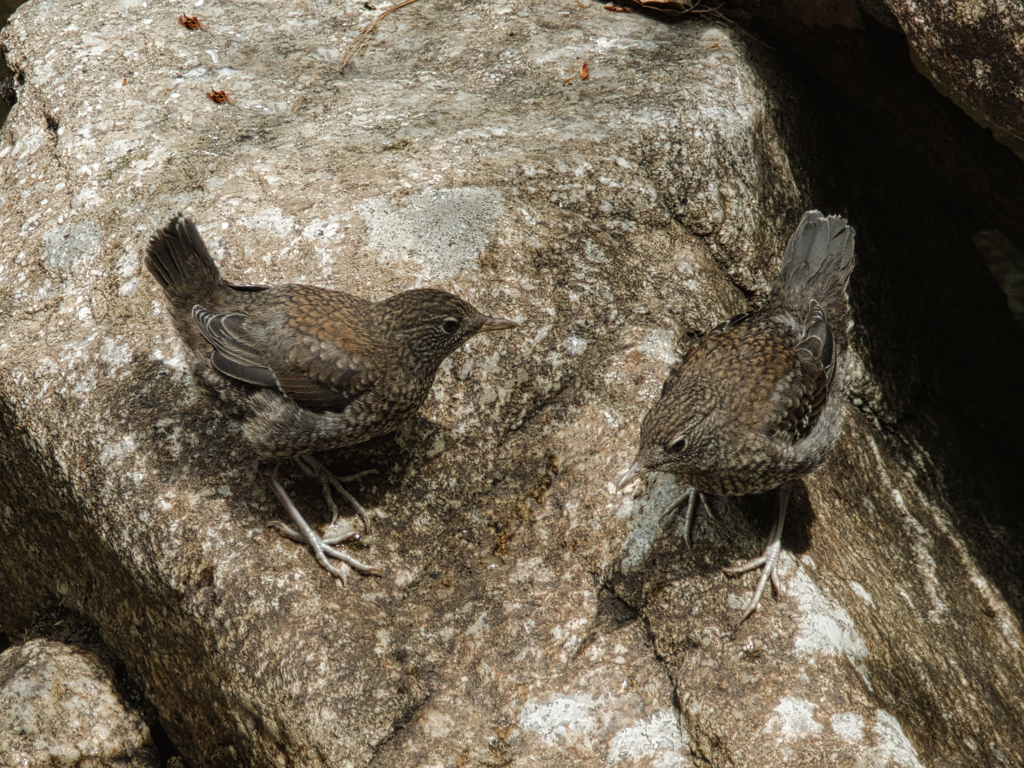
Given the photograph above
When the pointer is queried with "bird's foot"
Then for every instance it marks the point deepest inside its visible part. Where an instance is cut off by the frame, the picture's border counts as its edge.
(318, 471)
(322, 548)
(690, 499)
(769, 559)
(768, 562)
(336, 533)
(326, 545)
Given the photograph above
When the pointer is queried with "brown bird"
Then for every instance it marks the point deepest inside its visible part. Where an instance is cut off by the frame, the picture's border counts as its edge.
(759, 401)
(307, 369)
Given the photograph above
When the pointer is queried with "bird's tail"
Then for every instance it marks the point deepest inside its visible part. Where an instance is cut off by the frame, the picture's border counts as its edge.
(177, 257)
(817, 265)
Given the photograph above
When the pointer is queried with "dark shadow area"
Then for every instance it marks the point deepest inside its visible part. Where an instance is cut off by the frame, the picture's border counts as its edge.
(378, 464)
(918, 178)
(7, 78)
(762, 510)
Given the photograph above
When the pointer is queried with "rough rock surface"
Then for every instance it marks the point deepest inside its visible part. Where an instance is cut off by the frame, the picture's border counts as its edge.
(527, 614)
(58, 706)
(975, 51)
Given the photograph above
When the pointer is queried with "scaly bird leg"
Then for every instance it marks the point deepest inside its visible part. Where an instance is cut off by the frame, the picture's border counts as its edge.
(769, 558)
(320, 549)
(690, 497)
(316, 470)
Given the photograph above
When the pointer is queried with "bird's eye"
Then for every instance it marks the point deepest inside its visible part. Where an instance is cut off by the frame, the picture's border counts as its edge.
(450, 325)
(678, 445)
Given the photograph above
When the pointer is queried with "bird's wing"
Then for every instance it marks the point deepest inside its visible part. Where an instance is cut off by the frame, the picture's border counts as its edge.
(303, 374)
(800, 393)
(326, 375)
(234, 354)
(797, 401)
(817, 342)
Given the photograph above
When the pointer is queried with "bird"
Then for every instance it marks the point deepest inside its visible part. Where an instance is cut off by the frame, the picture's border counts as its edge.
(306, 369)
(758, 402)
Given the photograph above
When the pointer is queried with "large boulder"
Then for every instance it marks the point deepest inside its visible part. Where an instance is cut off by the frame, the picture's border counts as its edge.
(526, 612)
(59, 705)
(975, 53)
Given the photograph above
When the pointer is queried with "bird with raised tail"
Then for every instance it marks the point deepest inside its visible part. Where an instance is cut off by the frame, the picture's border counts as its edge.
(307, 369)
(759, 401)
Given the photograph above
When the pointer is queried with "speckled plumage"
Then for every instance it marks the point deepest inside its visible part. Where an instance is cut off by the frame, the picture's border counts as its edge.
(758, 402)
(302, 368)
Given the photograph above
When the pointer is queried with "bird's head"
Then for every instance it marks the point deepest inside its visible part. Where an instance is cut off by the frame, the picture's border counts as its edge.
(434, 323)
(673, 438)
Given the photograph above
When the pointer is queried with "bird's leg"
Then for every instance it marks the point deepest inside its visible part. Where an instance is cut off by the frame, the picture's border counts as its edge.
(335, 532)
(690, 497)
(316, 470)
(769, 558)
(320, 549)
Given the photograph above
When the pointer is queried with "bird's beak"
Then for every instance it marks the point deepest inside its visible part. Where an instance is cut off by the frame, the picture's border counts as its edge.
(497, 324)
(632, 474)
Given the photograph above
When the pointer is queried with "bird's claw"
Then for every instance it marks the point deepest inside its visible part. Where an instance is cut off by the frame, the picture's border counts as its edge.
(321, 549)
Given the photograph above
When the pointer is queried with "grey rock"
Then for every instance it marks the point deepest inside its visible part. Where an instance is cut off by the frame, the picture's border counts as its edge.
(71, 245)
(527, 614)
(443, 231)
(59, 706)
